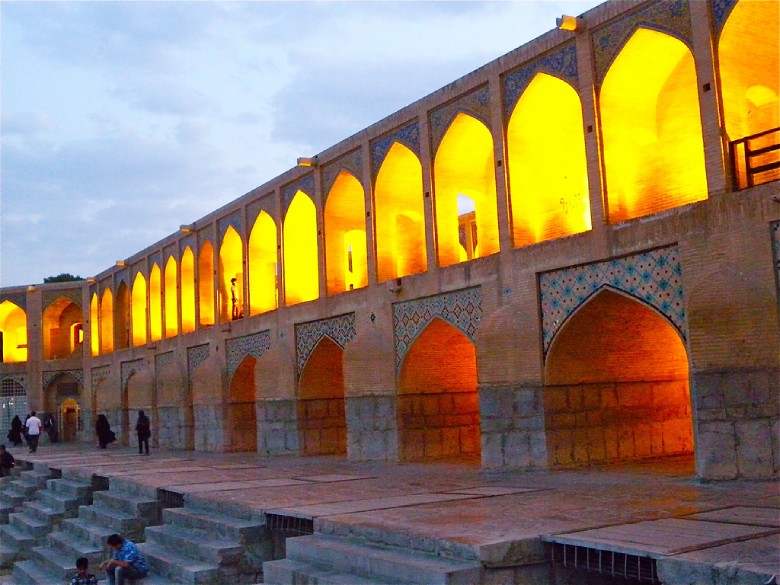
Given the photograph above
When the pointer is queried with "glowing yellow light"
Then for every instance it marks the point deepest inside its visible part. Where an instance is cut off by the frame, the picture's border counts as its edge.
(548, 178)
(58, 324)
(566, 22)
(651, 127)
(231, 265)
(400, 216)
(464, 166)
(171, 299)
(13, 326)
(262, 265)
(122, 317)
(301, 265)
(138, 311)
(206, 284)
(345, 235)
(107, 322)
(94, 337)
(155, 304)
(187, 291)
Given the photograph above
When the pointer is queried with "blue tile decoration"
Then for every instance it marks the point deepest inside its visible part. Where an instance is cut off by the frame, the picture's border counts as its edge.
(775, 227)
(351, 162)
(653, 277)
(49, 377)
(237, 348)
(188, 240)
(98, 374)
(20, 379)
(127, 369)
(155, 258)
(162, 360)
(721, 10)
(409, 136)
(51, 296)
(561, 63)
(341, 329)
(305, 184)
(18, 299)
(266, 203)
(667, 16)
(196, 355)
(234, 220)
(475, 104)
(460, 308)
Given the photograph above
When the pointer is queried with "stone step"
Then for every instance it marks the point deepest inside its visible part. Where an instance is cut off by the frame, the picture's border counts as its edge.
(30, 573)
(41, 511)
(70, 488)
(26, 523)
(196, 544)
(5, 509)
(216, 525)
(350, 556)
(73, 547)
(8, 555)
(127, 503)
(53, 562)
(287, 572)
(86, 531)
(11, 536)
(178, 567)
(61, 502)
(120, 522)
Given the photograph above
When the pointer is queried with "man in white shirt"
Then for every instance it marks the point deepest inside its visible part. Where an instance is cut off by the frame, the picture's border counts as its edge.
(33, 425)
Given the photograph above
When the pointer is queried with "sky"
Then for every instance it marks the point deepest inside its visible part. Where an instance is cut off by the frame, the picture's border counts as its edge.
(121, 120)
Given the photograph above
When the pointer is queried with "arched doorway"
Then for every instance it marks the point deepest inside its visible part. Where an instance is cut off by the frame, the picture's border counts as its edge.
(241, 415)
(321, 417)
(61, 400)
(438, 406)
(616, 386)
(69, 420)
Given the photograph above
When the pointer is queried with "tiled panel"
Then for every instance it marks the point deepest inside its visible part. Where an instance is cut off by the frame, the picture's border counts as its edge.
(340, 329)
(475, 103)
(127, 369)
(49, 377)
(409, 136)
(305, 184)
(721, 9)
(237, 348)
(50, 296)
(98, 374)
(352, 163)
(196, 355)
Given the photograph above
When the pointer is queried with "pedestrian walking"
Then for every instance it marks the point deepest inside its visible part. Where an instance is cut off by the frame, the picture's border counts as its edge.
(15, 434)
(144, 432)
(50, 426)
(126, 562)
(103, 431)
(33, 426)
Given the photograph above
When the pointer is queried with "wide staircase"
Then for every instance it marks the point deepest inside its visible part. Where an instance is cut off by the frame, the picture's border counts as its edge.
(20, 487)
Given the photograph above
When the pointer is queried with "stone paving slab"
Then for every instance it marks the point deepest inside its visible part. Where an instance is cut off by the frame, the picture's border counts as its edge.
(491, 491)
(333, 477)
(348, 507)
(742, 515)
(231, 485)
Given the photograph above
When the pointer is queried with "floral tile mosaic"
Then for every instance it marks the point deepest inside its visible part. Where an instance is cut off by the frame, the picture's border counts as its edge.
(196, 355)
(475, 103)
(50, 296)
(653, 277)
(127, 369)
(721, 9)
(461, 308)
(20, 379)
(340, 329)
(237, 348)
(305, 184)
(351, 163)
(98, 374)
(234, 220)
(409, 136)
(49, 377)
(162, 360)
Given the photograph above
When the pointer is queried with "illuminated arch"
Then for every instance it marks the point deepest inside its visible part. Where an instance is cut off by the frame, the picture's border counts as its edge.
(463, 166)
(231, 265)
(206, 284)
(155, 303)
(346, 262)
(122, 317)
(63, 331)
(139, 310)
(13, 327)
(651, 128)
(301, 264)
(548, 175)
(171, 299)
(107, 322)
(263, 275)
(241, 415)
(399, 215)
(187, 291)
(94, 336)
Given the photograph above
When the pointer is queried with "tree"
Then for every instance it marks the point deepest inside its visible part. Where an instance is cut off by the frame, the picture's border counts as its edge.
(63, 277)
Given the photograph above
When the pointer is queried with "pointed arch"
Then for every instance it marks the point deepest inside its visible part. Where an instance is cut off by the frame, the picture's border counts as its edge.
(107, 322)
(231, 266)
(263, 272)
(301, 261)
(63, 330)
(651, 128)
(548, 174)
(13, 331)
(122, 317)
(171, 298)
(346, 262)
(155, 303)
(463, 166)
(241, 419)
(206, 284)
(399, 215)
(94, 322)
(187, 300)
(139, 310)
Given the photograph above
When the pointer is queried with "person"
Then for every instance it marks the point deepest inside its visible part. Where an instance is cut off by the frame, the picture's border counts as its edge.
(7, 462)
(234, 298)
(50, 426)
(33, 425)
(103, 430)
(15, 434)
(83, 577)
(143, 430)
(126, 561)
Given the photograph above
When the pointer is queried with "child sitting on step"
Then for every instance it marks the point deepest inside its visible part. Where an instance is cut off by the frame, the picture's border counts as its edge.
(83, 577)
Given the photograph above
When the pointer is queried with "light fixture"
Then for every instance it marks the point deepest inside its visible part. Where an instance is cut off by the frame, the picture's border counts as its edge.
(186, 228)
(120, 263)
(566, 22)
(31, 288)
(91, 279)
(307, 161)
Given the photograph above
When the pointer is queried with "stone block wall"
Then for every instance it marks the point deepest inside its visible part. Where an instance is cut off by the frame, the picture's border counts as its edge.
(323, 426)
(171, 428)
(277, 427)
(372, 433)
(209, 427)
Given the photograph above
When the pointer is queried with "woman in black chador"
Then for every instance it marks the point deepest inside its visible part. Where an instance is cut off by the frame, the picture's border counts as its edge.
(103, 430)
(15, 434)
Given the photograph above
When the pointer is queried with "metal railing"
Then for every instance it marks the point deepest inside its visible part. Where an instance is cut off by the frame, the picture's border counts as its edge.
(632, 568)
(755, 159)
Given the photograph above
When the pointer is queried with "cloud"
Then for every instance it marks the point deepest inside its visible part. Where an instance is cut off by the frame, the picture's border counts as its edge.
(26, 123)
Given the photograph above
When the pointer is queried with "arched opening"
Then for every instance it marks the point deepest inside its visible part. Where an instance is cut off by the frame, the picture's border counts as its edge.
(122, 317)
(13, 332)
(187, 291)
(399, 215)
(69, 420)
(61, 400)
(241, 416)
(171, 299)
(263, 274)
(651, 128)
(301, 264)
(438, 407)
(206, 284)
(749, 62)
(155, 303)
(548, 174)
(346, 262)
(321, 416)
(139, 310)
(616, 386)
(464, 166)
(62, 331)
(231, 267)
(94, 337)
(107, 322)
(13, 402)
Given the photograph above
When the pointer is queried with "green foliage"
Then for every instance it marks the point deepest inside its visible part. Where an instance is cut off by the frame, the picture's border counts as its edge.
(64, 277)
